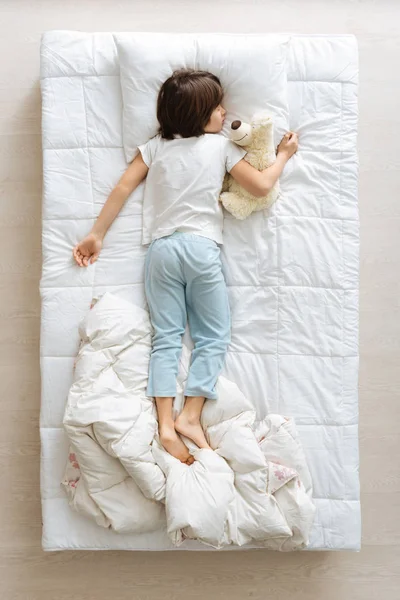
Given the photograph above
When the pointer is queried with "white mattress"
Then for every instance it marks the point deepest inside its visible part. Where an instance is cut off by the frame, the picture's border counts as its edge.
(292, 273)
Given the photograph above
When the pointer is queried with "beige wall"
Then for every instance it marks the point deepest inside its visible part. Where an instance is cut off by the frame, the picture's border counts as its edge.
(28, 573)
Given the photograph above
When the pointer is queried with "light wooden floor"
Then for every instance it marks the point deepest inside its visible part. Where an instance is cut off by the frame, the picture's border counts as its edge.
(26, 573)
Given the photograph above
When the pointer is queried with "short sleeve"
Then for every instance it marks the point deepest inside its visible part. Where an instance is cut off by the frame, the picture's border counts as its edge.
(147, 151)
(233, 153)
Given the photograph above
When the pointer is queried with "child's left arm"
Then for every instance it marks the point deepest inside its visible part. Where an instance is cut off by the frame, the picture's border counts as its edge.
(260, 183)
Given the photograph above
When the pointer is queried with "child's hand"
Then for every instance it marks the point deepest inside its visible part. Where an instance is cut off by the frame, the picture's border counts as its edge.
(288, 145)
(88, 250)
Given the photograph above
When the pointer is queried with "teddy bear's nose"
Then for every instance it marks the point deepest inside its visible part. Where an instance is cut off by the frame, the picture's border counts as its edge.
(235, 125)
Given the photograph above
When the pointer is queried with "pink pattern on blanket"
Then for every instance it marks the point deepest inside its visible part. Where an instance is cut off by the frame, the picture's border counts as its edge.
(281, 473)
(73, 461)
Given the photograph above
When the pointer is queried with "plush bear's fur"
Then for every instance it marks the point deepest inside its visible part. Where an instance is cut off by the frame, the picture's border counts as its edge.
(260, 154)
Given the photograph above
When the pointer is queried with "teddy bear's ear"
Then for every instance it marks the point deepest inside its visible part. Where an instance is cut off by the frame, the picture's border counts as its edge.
(261, 118)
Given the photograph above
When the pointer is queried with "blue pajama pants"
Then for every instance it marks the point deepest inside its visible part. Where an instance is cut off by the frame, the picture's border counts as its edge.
(184, 283)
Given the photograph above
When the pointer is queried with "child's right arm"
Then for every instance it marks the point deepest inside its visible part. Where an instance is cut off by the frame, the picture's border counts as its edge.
(260, 183)
(88, 249)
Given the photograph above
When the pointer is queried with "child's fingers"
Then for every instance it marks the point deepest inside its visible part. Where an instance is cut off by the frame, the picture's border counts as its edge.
(76, 257)
(79, 257)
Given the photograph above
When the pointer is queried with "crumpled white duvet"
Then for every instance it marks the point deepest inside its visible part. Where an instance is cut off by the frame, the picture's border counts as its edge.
(254, 486)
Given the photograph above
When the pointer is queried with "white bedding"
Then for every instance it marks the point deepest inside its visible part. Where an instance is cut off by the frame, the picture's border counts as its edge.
(292, 273)
(253, 487)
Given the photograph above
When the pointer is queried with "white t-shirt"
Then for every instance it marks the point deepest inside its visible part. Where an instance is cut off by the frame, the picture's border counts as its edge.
(183, 184)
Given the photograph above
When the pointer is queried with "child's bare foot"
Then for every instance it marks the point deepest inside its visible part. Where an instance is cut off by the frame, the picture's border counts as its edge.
(191, 429)
(174, 445)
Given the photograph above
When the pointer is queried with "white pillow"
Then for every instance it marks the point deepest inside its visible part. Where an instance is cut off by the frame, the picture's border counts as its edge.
(251, 68)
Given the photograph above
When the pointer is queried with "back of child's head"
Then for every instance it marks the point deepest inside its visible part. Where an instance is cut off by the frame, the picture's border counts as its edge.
(186, 101)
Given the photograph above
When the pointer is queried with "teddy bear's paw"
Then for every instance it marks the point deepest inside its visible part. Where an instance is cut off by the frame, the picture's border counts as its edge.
(267, 201)
(237, 206)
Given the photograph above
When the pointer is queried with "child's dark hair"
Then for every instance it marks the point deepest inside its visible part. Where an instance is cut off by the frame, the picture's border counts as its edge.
(186, 101)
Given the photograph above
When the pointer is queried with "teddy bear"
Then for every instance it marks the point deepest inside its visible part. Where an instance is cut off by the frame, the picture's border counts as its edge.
(258, 139)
